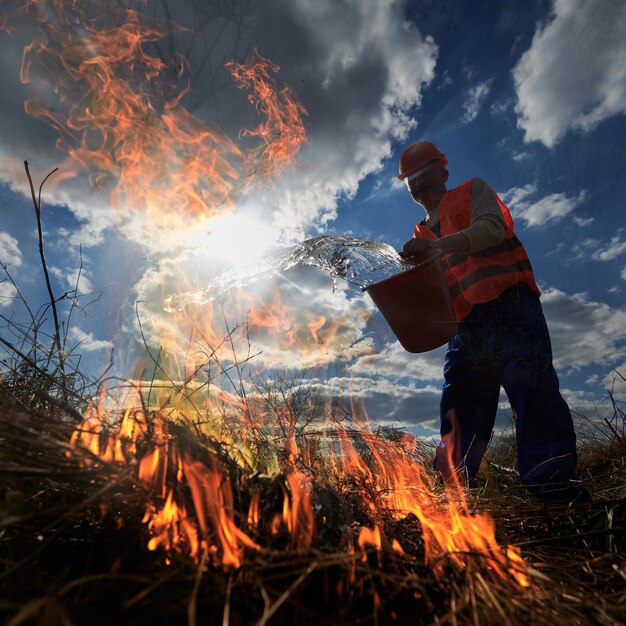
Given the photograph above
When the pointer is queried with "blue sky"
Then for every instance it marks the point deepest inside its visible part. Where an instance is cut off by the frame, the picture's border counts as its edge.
(528, 96)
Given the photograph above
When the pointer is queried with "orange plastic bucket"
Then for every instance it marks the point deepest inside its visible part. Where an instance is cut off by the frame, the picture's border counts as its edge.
(416, 304)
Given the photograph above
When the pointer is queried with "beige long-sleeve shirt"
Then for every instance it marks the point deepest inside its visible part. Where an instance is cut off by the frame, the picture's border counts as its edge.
(487, 227)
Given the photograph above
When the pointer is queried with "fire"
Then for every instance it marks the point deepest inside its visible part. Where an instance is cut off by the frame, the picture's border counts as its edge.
(151, 151)
(288, 327)
(87, 436)
(119, 111)
(388, 479)
(253, 511)
(121, 118)
(396, 547)
(451, 533)
(283, 132)
(369, 537)
(171, 528)
(213, 501)
(120, 447)
(211, 526)
(267, 323)
(298, 509)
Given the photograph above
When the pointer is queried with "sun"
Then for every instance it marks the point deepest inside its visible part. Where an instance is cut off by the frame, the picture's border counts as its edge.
(238, 239)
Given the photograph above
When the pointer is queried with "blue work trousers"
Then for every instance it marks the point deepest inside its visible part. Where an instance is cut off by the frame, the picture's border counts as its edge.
(505, 343)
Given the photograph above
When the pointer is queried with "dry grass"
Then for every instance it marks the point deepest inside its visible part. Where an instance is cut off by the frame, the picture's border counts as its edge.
(74, 549)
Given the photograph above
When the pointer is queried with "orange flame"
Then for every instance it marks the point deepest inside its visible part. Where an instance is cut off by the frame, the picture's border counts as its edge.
(152, 151)
(369, 537)
(396, 547)
(283, 133)
(171, 528)
(298, 511)
(119, 117)
(450, 532)
(390, 481)
(253, 511)
(213, 500)
(297, 505)
(277, 326)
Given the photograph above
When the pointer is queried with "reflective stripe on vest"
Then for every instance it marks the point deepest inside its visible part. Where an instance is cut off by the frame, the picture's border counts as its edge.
(480, 276)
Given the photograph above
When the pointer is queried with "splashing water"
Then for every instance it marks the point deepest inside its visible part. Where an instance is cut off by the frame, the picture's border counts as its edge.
(359, 261)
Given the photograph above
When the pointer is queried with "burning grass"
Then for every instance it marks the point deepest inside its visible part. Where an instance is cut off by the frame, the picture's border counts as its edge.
(142, 518)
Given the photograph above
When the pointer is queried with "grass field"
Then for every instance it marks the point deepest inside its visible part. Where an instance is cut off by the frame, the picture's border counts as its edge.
(295, 524)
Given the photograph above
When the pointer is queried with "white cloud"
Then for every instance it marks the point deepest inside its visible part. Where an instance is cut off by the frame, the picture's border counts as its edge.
(520, 156)
(74, 279)
(363, 68)
(394, 385)
(613, 250)
(581, 249)
(10, 253)
(78, 280)
(539, 211)
(582, 403)
(476, 95)
(7, 293)
(592, 248)
(469, 72)
(582, 221)
(86, 341)
(552, 207)
(393, 361)
(519, 194)
(615, 383)
(444, 81)
(574, 74)
(584, 332)
(294, 320)
(500, 106)
(386, 401)
(359, 67)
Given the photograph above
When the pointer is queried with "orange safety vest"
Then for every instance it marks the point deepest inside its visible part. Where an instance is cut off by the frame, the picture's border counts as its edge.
(479, 276)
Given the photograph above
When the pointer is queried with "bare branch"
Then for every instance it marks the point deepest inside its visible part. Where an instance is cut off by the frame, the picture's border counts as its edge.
(37, 205)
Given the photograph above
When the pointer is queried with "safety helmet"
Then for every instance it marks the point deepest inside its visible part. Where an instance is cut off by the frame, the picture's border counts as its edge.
(419, 154)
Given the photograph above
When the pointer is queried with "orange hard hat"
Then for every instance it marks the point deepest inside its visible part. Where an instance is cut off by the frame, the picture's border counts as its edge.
(419, 154)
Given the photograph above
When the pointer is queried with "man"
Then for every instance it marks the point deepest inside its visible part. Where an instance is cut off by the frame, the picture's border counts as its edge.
(502, 338)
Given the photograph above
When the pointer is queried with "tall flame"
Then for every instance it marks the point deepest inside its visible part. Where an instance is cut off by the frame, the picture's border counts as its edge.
(120, 114)
(283, 132)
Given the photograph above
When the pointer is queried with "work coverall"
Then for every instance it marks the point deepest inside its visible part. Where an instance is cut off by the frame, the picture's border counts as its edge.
(504, 342)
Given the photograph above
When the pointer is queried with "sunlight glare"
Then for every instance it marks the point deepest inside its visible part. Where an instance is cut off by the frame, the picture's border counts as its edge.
(239, 239)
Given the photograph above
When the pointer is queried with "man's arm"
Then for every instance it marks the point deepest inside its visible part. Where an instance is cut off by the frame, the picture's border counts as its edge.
(419, 248)
(487, 227)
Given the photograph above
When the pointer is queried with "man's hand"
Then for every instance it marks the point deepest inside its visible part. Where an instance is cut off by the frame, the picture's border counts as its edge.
(418, 248)
(423, 248)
